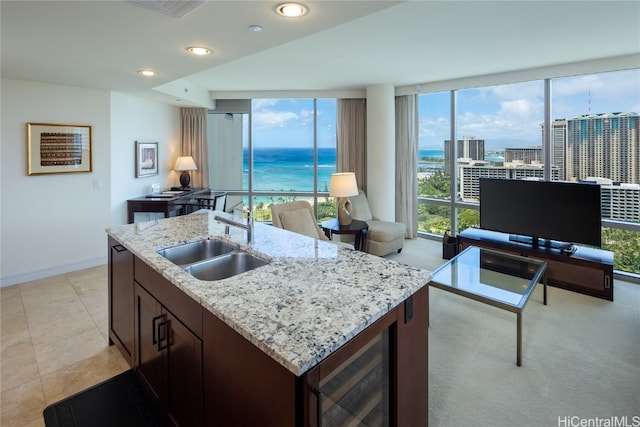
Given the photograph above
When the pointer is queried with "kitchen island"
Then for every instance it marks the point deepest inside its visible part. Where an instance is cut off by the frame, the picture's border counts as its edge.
(321, 335)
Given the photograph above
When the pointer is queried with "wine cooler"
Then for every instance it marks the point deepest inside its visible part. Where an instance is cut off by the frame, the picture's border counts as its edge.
(357, 391)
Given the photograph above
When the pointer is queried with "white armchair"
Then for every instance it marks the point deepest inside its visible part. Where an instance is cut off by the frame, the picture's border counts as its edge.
(296, 216)
(383, 237)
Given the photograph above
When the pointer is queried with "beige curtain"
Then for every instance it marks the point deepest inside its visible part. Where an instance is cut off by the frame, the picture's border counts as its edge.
(193, 137)
(406, 163)
(351, 155)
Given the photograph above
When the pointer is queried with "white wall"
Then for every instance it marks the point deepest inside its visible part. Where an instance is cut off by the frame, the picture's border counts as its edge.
(381, 152)
(55, 223)
(135, 119)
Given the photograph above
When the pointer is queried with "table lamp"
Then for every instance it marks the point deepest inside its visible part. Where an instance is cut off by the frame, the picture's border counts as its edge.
(343, 185)
(184, 164)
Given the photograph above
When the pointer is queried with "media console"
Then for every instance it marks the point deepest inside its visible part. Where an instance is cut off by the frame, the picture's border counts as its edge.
(587, 270)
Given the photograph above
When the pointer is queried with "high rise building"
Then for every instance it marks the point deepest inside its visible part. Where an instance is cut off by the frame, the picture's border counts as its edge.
(603, 145)
(468, 148)
(619, 201)
(471, 172)
(559, 147)
(527, 155)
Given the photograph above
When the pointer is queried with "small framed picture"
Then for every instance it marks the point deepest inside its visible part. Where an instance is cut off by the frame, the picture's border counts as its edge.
(146, 159)
(56, 148)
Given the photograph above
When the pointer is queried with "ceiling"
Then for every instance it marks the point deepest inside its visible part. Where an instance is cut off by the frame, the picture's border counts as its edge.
(337, 46)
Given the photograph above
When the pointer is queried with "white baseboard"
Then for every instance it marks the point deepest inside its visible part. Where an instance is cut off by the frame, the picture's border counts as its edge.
(41, 274)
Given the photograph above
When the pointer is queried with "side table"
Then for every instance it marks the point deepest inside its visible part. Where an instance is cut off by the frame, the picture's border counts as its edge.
(356, 228)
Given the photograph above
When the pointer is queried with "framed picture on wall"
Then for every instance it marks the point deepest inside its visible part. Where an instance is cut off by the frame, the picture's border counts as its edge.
(146, 159)
(54, 148)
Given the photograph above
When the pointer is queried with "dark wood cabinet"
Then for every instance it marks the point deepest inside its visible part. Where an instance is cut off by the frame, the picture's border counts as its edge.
(121, 312)
(168, 358)
(587, 270)
(380, 377)
(243, 385)
(200, 371)
(150, 366)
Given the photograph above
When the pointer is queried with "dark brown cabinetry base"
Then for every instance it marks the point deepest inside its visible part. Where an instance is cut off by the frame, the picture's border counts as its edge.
(169, 359)
(588, 270)
(200, 371)
(121, 299)
(244, 386)
(168, 356)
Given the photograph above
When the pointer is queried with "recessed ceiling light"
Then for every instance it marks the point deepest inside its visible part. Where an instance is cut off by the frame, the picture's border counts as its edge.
(255, 28)
(200, 51)
(291, 10)
(147, 73)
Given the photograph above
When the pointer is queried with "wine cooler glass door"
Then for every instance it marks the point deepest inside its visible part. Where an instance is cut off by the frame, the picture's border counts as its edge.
(357, 393)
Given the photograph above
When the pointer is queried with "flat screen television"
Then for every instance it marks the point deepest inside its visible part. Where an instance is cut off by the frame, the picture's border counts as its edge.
(550, 213)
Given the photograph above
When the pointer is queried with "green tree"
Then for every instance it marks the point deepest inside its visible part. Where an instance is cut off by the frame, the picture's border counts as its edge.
(468, 218)
(436, 186)
(625, 245)
(326, 210)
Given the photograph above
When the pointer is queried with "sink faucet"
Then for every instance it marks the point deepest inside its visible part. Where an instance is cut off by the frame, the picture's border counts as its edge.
(248, 226)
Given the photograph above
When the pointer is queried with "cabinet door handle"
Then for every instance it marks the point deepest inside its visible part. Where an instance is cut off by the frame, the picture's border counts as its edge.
(318, 395)
(153, 326)
(164, 331)
(119, 248)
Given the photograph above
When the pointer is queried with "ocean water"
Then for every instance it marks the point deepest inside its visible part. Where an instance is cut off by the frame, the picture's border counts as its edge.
(434, 154)
(289, 169)
(439, 154)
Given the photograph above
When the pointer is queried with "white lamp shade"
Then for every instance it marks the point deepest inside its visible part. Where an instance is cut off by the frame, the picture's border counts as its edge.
(343, 184)
(185, 163)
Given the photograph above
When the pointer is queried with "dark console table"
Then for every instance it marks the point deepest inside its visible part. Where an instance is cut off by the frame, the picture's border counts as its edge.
(587, 270)
(169, 203)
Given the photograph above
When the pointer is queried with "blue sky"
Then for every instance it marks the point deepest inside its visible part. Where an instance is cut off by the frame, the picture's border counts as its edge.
(506, 115)
(512, 114)
(289, 122)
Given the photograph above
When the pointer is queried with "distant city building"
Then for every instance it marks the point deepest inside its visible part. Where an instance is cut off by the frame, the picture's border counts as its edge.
(468, 148)
(471, 172)
(619, 201)
(527, 155)
(606, 145)
(559, 147)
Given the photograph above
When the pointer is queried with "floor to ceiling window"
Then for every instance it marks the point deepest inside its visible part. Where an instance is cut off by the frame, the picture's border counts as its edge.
(499, 132)
(434, 178)
(595, 137)
(287, 149)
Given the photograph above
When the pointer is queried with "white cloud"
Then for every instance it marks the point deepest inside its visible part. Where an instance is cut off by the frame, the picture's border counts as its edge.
(434, 129)
(515, 112)
(596, 93)
(269, 114)
(267, 119)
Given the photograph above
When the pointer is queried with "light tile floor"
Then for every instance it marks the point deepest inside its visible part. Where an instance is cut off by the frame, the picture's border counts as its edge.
(54, 343)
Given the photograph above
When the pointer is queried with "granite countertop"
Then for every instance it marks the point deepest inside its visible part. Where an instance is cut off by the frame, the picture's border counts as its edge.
(311, 299)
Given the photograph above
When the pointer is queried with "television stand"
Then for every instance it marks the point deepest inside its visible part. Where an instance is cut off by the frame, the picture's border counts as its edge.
(564, 247)
(584, 269)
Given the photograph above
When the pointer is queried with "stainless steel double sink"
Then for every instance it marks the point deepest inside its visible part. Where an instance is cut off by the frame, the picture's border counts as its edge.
(211, 259)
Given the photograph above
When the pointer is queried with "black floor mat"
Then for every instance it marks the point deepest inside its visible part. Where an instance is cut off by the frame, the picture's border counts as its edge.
(120, 401)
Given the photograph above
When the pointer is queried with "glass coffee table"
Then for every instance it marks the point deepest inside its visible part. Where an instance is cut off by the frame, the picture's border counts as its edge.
(496, 278)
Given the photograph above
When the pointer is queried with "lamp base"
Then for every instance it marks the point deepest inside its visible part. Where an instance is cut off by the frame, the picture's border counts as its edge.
(185, 179)
(344, 211)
